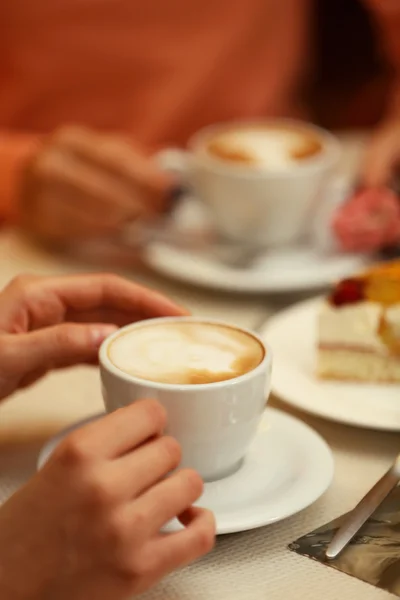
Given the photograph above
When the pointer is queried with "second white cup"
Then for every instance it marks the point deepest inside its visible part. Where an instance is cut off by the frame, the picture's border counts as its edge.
(256, 206)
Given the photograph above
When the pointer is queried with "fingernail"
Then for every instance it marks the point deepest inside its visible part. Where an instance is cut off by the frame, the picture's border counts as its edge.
(100, 332)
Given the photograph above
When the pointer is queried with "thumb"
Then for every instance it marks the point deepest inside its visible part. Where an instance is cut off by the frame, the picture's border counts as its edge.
(58, 346)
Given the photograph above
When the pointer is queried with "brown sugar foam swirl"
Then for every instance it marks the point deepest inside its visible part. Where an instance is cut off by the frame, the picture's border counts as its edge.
(185, 353)
(276, 148)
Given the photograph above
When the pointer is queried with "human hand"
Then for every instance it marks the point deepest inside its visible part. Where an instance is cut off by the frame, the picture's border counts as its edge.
(383, 155)
(88, 524)
(53, 322)
(368, 221)
(84, 184)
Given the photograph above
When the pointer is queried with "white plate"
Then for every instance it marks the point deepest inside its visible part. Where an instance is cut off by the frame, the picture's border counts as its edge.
(290, 269)
(292, 336)
(287, 468)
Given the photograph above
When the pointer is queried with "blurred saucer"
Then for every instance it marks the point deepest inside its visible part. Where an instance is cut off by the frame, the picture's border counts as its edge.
(287, 468)
(291, 269)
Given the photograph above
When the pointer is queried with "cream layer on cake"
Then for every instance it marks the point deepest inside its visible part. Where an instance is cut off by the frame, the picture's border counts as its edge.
(351, 345)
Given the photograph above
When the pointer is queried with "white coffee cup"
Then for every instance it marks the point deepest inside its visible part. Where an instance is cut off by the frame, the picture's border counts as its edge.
(256, 206)
(214, 422)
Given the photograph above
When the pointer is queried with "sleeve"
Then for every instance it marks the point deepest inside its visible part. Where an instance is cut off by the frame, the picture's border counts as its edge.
(15, 150)
(386, 14)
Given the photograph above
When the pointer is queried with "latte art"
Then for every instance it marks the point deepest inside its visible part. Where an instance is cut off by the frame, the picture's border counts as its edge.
(185, 353)
(274, 148)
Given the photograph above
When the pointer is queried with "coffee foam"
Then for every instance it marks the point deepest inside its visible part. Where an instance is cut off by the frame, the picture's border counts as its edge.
(275, 148)
(185, 353)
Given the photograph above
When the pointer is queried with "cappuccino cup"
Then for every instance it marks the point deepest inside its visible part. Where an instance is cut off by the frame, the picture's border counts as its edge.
(260, 182)
(212, 378)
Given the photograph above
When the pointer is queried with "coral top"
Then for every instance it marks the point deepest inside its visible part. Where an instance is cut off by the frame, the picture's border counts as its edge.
(156, 70)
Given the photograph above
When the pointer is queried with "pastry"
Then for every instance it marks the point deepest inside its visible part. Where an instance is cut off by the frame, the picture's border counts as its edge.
(359, 327)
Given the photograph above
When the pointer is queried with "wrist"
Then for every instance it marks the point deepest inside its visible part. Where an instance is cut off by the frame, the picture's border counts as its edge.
(26, 573)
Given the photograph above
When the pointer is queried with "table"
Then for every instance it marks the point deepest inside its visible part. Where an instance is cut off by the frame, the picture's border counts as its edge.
(247, 566)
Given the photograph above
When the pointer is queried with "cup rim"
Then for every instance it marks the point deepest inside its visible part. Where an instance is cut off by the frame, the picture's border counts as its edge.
(327, 158)
(106, 363)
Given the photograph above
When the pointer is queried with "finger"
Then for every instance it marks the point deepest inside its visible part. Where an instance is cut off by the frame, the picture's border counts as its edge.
(64, 215)
(196, 539)
(168, 499)
(54, 347)
(121, 431)
(381, 158)
(191, 513)
(88, 292)
(377, 169)
(147, 464)
(58, 204)
(102, 315)
(33, 302)
(172, 551)
(119, 157)
(100, 190)
(31, 378)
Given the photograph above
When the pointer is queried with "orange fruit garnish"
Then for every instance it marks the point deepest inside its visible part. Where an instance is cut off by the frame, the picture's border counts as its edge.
(382, 283)
(388, 337)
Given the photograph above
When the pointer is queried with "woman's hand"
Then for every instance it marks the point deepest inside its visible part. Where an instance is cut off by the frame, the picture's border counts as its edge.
(48, 323)
(370, 219)
(83, 184)
(383, 155)
(87, 526)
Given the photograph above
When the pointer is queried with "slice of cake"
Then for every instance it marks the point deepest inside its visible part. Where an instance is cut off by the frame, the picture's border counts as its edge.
(359, 328)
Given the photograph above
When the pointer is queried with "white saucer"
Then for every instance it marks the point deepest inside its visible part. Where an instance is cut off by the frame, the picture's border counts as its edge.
(290, 269)
(287, 468)
(292, 336)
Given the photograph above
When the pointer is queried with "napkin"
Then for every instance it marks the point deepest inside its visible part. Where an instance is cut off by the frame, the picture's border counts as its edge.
(373, 555)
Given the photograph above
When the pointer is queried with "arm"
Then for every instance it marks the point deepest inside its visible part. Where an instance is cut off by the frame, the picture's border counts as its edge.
(87, 525)
(382, 158)
(15, 150)
(386, 14)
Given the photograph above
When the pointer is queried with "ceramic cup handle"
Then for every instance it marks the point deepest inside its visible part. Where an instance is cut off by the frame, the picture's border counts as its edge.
(175, 161)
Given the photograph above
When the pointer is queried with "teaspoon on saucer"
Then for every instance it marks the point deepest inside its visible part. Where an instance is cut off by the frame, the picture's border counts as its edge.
(203, 241)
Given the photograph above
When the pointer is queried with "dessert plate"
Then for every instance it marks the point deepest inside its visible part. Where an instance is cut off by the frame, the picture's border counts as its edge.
(292, 336)
(287, 468)
(304, 267)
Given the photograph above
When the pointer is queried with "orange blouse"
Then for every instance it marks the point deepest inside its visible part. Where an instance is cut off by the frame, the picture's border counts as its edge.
(157, 70)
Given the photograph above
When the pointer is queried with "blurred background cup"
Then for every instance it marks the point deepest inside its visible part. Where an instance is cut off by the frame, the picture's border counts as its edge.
(270, 203)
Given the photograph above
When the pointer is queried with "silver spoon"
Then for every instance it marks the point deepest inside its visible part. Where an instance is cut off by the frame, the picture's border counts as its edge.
(364, 509)
(203, 241)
